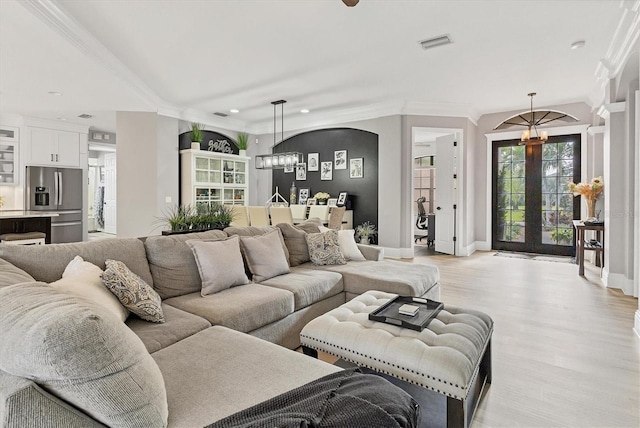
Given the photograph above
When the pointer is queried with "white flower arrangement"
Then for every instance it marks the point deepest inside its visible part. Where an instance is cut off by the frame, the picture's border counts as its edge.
(322, 196)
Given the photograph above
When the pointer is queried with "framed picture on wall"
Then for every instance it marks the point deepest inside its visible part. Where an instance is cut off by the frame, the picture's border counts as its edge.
(313, 162)
(342, 199)
(301, 171)
(356, 168)
(303, 195)
(340, 159)
(332, 202)
(326, 171)
(312, 201)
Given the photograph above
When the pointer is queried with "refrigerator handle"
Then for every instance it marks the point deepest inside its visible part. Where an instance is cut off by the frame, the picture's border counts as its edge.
(56, 190)
(60, 188)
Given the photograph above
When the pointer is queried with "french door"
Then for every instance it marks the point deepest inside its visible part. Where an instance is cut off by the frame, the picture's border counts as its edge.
(533, 208)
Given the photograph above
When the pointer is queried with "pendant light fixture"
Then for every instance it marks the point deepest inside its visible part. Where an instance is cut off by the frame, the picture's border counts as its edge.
(278, 160)
(531, 120)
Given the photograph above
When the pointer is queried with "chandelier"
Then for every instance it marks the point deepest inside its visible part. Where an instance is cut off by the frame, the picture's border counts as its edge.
(278, 160)
(531, 120)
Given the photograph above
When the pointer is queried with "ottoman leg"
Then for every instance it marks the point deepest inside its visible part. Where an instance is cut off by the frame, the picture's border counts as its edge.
(485, 363)
(456, 417)
(309, 351)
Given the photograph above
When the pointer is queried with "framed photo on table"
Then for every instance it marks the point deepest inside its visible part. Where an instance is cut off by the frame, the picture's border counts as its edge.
(303, 195)
(342, 199)
(332, 202)
(312, 201)
(313, 162)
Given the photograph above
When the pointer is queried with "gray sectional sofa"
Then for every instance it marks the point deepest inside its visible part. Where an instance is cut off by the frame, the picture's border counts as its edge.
(216, 354)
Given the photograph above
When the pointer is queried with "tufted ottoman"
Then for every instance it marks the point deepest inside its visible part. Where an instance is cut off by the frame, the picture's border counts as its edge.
(451, 356)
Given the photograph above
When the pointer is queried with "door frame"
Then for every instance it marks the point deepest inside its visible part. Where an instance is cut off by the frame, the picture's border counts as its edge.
(513, 135)
(460, 217)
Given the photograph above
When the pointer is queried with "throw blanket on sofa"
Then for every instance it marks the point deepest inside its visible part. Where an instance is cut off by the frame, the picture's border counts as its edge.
(343, 399)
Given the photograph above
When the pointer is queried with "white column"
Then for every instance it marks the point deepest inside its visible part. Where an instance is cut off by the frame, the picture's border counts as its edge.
(617, 214)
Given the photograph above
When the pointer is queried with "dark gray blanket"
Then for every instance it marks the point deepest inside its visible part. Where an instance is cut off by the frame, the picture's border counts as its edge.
(343, 399)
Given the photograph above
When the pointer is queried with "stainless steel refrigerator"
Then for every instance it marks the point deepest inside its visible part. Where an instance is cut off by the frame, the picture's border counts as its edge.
(59, 190)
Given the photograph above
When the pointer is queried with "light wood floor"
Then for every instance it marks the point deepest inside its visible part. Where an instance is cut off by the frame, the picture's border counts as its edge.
(564, 350)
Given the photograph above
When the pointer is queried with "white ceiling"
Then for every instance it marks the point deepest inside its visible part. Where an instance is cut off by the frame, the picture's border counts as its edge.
(191, 58)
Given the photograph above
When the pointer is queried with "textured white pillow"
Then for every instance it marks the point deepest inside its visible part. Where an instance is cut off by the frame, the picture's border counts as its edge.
(83, 279)
(347, 243)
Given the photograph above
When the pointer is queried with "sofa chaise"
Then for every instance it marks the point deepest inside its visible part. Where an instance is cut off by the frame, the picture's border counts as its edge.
(215, 354)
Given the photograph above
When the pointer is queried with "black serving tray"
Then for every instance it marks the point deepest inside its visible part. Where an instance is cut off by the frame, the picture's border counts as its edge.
(388, 313)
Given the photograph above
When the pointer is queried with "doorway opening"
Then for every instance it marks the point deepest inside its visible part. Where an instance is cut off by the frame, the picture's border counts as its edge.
(436, 208)
(532, 206)
(101, 191)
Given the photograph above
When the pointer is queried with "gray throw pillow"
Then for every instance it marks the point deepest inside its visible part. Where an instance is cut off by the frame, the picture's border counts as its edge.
(220, 264)
(82, 354)
(324, 248)
(135, 294)
(264, 255)
(10, 274)
(256, 231)
(294, 239)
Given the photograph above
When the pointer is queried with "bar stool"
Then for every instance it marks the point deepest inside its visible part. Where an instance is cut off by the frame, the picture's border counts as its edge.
(28, 238)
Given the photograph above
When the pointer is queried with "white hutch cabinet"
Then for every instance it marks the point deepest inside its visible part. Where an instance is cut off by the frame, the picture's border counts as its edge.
(208, 177)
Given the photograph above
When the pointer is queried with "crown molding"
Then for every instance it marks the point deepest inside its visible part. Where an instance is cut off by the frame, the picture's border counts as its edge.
(54, 16)
(624, 39)
(422, 108)
(605, 110)
(593, 130)
(54, 124)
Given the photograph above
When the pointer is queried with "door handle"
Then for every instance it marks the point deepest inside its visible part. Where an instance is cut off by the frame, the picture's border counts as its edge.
(51, 157)
(56, 157)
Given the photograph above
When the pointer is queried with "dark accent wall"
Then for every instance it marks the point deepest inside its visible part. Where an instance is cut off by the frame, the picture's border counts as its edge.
(211, 141)
(363, 192)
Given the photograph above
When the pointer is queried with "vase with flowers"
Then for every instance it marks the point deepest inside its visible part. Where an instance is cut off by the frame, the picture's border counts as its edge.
(322, 197)
(591, 192)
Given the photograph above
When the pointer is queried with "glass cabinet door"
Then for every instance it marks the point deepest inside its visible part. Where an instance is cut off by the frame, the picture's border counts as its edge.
(7, 163)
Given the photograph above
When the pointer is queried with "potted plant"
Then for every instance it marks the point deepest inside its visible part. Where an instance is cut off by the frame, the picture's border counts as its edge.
(196, 135)
(322, 197)
(365, 231)
(243, 142)
(185, 219)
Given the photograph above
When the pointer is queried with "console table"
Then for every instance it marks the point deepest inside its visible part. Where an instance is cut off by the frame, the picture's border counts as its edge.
(582, 244)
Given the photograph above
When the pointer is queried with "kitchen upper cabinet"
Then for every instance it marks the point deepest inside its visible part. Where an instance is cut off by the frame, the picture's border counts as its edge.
(51, 147)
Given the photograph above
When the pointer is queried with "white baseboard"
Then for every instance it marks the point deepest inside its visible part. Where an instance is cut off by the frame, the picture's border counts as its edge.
(468, 250)
(397, 253)
(617, 280)
(636, 324)
(482, 245)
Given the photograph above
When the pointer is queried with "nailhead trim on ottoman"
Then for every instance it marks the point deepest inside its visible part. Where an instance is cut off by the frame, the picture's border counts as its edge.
(443, 357)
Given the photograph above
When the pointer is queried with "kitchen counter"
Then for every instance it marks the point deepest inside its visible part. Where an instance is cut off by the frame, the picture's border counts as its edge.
(19, 221)
(9, 214)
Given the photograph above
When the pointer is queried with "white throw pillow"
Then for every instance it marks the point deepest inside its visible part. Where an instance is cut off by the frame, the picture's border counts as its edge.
(347, 243)
(83, 279)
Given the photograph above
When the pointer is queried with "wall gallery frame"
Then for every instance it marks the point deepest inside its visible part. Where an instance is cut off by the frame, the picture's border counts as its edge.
(303, 195)
(340, 159)
(288, 168)
(356, 168)
(326, 171)
(301, 171)
(313, 162)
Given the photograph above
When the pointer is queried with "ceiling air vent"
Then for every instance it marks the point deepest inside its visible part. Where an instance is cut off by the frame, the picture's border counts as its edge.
(85, 116)
(221, 114)
(445, 39)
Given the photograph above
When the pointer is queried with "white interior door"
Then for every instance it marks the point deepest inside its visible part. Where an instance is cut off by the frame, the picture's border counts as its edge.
(110, 193)
(446, 159)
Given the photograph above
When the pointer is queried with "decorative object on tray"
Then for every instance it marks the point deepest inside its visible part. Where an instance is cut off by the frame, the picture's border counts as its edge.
(591, 192)
(365, 231)
(322, 197)
(187, 218)
(196, 135)
(392, 312)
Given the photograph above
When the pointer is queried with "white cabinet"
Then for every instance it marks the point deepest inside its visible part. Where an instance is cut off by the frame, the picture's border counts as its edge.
(208, 177)
(8, 163)
(54, 148)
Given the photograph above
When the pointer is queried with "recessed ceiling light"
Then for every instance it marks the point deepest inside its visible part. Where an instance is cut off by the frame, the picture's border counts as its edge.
(304, 110)
(234, 110)
(577, 45)
(55, 93)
